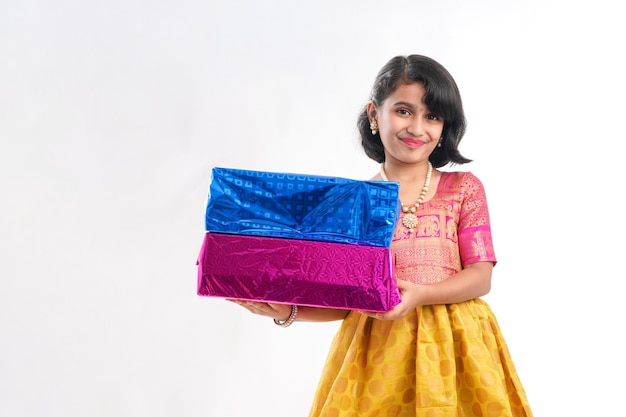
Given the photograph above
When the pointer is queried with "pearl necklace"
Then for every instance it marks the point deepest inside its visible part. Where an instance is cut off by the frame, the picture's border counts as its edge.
(410, 220)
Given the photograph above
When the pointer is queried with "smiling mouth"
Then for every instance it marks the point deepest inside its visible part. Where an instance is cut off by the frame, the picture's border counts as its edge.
(413, 142)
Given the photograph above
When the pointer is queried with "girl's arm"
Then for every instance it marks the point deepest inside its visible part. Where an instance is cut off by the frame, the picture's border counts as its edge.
(472, 282)
(282, 311)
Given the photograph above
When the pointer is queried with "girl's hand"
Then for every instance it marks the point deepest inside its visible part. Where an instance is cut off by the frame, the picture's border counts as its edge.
(273, 310)
(410, 296)
(472, 281)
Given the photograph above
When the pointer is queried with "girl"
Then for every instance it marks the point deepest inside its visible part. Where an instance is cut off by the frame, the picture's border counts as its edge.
(440, 351)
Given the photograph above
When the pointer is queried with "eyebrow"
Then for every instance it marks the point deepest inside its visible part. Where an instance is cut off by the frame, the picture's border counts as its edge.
(409, 105)
(403, 103)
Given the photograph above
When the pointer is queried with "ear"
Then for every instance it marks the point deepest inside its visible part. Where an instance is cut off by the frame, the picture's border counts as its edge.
(371, 110)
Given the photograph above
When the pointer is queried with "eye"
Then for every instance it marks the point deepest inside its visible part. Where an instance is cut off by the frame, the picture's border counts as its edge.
(433, 116)
(403, 112)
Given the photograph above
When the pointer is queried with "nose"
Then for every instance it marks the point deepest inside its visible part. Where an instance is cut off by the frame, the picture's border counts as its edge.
(416, 125)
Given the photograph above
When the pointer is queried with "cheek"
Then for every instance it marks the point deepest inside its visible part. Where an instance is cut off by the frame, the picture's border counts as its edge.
(388, 124)
(437, 130)
(386, 138)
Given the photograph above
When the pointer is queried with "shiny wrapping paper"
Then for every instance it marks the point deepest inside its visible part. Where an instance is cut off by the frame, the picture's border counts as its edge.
(294, 271)
(306, 207)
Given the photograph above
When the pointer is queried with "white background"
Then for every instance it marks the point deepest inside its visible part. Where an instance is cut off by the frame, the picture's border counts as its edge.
(112, 114)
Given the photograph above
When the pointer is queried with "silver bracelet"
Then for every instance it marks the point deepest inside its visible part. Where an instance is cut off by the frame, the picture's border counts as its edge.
(290, 319)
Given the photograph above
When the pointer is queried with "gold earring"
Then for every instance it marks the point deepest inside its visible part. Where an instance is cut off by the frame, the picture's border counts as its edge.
(439, 143)
(374, 127)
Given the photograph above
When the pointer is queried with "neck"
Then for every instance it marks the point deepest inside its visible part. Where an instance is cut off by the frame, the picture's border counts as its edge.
(423, 192)
(409, 174)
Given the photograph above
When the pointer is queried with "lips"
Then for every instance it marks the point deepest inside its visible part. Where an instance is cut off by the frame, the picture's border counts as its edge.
(413, 142)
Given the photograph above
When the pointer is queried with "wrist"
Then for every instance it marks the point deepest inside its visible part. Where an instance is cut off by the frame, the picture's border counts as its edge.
(289, 320)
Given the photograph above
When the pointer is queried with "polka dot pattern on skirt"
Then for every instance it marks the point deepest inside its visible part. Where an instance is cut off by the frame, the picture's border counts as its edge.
(439, 361)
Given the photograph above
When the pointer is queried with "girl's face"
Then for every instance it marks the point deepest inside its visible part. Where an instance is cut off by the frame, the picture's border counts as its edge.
(408, 129)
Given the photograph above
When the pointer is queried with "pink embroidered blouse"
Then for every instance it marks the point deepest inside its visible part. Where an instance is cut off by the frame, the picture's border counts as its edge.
(453, 231)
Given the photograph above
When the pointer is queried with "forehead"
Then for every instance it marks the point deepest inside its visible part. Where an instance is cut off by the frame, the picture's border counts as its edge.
(412, 93)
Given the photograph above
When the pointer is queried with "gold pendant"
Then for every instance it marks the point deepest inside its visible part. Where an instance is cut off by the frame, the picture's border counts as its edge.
(410, 221)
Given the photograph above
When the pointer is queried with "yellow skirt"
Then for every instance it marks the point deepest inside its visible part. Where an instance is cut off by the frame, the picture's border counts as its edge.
(443, 360)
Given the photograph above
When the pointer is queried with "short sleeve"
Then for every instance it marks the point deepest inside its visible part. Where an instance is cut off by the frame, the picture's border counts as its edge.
(475, 241)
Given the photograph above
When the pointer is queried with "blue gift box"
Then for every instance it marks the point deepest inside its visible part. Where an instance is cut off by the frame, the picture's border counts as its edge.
(297, 206)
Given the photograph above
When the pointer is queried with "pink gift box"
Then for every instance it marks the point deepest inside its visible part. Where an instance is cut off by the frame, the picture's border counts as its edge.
(313, 273)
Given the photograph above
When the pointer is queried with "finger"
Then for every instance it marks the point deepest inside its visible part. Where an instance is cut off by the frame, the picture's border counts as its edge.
(259, 307)
(402, 285)
(373, 314)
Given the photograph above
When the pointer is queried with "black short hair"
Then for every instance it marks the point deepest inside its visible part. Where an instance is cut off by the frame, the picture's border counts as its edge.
(442, 98)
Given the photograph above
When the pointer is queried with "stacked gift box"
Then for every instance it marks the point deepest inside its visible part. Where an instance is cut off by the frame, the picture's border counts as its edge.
(299, 239)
